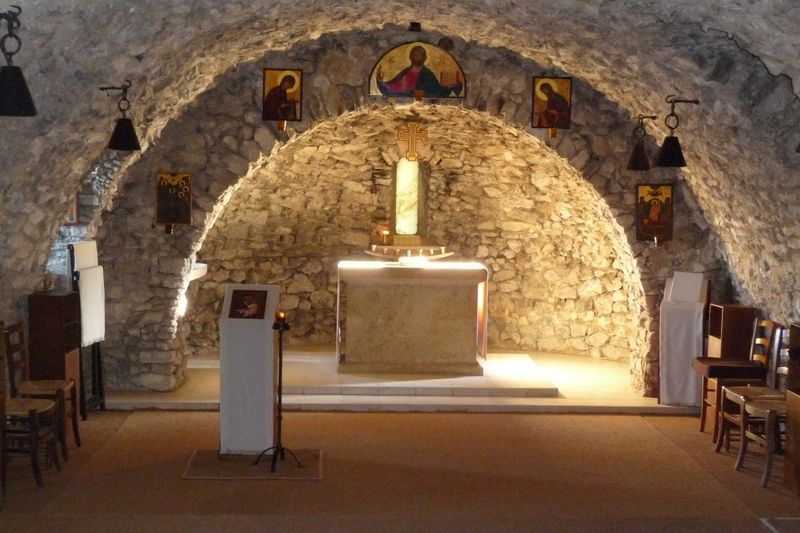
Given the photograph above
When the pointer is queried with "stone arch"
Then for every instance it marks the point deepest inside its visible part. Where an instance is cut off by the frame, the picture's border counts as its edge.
(175, 52)
(221, 139)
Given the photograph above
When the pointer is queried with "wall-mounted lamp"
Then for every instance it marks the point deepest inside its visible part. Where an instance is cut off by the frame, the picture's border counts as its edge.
(15, 98)
(124, 136)
(639, 160)
(373, 188)
(671, 154)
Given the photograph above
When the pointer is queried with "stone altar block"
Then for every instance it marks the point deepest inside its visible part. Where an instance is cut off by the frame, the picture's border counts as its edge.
(414, 318)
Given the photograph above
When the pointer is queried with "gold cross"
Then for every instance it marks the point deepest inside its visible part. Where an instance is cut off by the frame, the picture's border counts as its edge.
(412, 136)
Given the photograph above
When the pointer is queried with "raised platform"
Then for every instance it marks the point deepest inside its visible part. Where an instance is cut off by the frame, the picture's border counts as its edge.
(514, 382)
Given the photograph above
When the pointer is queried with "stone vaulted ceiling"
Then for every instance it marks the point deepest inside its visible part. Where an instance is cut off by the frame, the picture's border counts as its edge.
(739, 58)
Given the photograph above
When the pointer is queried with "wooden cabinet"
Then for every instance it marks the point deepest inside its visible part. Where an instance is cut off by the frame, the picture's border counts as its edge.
(54, 336)
(730, 330)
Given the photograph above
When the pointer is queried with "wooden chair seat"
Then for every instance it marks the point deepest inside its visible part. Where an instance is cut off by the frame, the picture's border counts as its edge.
(732, 407)
(20, 407)
(31, 426)
(44, 386)
(761, 422)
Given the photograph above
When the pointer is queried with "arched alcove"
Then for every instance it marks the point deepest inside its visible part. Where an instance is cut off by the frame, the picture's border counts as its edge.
(221, 139)
(563, 275)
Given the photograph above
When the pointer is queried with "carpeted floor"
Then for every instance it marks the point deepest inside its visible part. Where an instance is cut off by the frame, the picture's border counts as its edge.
(407, 472)
(300, 465)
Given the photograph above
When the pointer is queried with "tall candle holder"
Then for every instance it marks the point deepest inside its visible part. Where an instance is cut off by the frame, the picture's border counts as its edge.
(281, 325)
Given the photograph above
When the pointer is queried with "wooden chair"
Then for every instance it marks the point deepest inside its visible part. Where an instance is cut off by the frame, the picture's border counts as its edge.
(31, 427)
(734, 397)
(763, 421)
(717, 372)
(58, 390)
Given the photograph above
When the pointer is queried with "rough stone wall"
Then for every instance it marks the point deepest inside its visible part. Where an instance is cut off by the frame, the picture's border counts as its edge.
(556, 231)
(730, 54)
(559, 280)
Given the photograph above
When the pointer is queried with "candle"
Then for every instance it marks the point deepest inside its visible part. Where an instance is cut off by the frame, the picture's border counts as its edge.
(280, 317)
(374, 247)
(385, 236)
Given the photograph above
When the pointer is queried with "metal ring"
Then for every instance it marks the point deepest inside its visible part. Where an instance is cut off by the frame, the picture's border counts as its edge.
(674, 118)
(6, 52)
(639, 130)
(124, 104)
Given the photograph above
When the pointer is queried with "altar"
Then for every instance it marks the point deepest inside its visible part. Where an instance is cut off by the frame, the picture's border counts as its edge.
(411, 317)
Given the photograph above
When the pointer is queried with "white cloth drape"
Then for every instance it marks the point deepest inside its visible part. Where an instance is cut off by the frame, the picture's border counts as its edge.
(680, 341)
(93, 305)
(85, 253)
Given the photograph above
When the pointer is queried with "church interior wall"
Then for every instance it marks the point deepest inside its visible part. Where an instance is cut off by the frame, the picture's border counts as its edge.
(537, 210)
(742, 182)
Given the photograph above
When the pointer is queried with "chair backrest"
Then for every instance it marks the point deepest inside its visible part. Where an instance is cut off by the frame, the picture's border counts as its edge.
(16, 356)
(763, 340)
(780, 377)
(766, 349)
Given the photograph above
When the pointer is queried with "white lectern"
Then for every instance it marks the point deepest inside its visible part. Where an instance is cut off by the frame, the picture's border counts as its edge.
(681, 338)
(247, 369)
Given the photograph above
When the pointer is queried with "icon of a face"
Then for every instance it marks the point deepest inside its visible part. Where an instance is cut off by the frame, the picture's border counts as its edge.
(418, 56)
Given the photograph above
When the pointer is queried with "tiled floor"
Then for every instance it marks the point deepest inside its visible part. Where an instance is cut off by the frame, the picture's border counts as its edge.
(513, 382)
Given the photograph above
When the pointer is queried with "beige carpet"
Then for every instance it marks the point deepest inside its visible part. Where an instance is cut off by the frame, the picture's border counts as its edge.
(208, 464)
(407, 472)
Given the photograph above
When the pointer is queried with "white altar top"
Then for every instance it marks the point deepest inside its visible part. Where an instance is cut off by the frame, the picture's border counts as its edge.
(411, 317)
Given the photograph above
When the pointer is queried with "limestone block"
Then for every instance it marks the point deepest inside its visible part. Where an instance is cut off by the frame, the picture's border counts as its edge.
(157, 382)
(503, 275)
(289, 301)
(597, 339)
(577, 330)
(550, 344)
(590, 288)
(323, 299)
(300, 283)
(158, 357)
(603, 304)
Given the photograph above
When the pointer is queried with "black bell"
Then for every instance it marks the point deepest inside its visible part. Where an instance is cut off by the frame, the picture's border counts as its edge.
(671, 154)
(124, 136)
(15, 98)
(639, 160)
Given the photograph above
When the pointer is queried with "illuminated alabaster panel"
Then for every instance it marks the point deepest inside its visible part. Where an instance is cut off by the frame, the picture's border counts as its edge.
(407, 198)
